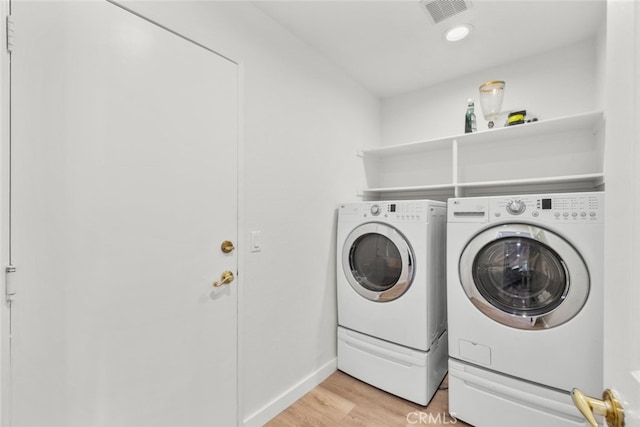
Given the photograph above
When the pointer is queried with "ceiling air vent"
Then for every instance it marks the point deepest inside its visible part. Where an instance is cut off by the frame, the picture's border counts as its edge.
(443, 9)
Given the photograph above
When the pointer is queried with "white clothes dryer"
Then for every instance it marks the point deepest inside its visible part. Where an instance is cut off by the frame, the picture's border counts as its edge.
(391, 293)
(525, 290)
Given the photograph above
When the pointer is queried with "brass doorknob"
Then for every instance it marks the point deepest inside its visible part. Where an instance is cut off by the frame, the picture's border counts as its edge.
(226, 277)
(227, 246)
(609, 407)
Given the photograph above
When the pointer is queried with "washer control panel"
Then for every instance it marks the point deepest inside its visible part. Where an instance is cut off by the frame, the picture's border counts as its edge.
(554, 207)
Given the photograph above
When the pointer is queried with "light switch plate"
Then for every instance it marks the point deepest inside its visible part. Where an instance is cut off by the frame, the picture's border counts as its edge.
(256, 241)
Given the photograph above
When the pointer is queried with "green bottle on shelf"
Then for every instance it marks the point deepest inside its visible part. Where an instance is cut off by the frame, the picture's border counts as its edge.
(470, 118)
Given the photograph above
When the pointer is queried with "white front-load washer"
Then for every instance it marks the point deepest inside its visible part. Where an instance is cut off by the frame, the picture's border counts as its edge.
(391, 293)
(525, 290)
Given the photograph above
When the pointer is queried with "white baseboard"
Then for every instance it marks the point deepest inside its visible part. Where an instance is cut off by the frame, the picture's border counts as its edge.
(282, 402)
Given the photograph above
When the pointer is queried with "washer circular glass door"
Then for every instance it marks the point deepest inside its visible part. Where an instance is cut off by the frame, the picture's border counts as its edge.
(524, 276)
(378, 262)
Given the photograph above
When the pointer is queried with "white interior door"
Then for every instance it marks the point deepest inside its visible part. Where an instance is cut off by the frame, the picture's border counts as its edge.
(124, 186)
(622, 227)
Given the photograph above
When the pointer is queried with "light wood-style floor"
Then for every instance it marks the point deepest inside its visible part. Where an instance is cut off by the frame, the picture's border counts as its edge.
(342, 400)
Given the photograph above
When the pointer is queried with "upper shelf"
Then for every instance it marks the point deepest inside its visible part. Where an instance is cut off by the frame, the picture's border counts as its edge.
(591, 121)
(562, 154)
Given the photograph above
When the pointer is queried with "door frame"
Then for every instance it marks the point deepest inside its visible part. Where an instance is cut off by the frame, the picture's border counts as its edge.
(5, 181)
(622, 235)
(5, 208)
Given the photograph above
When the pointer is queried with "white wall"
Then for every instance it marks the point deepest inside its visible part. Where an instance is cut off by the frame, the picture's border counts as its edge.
(304, 121)
(554, 84)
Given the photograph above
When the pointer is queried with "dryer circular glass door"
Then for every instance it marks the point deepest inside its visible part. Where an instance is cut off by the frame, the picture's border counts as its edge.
(378, 262)
(524, 276)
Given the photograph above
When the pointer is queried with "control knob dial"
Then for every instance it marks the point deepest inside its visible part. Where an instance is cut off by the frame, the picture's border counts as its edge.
(516, 207)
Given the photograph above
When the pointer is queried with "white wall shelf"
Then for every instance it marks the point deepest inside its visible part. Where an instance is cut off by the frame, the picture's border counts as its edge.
(562, 154)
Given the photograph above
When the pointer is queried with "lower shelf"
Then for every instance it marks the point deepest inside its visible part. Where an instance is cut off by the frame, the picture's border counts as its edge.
(565, 183)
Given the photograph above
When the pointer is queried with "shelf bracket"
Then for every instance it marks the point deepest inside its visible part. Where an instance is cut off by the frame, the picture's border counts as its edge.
(454, 169)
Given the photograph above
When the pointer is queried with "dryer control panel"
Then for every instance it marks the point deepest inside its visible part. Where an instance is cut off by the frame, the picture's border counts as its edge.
(570, 207)
(400, 211)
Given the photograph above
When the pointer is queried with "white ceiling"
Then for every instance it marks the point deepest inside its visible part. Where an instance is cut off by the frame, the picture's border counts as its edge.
(394, 46)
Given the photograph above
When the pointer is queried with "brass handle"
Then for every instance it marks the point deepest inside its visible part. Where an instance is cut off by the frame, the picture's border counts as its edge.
(227, 246)
(609, 407)
(226, 277)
